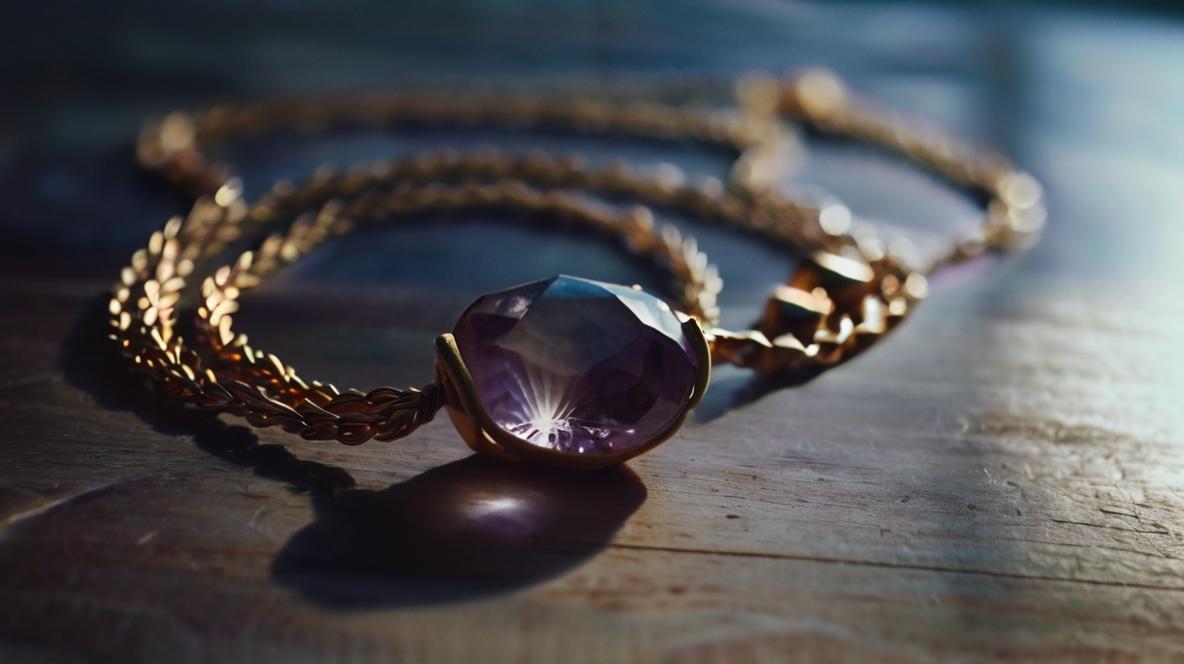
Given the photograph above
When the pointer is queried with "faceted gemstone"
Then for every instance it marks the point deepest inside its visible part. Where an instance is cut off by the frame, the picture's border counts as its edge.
(578, 366)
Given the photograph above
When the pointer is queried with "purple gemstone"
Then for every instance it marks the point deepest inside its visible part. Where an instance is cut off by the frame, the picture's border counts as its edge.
(578, 366)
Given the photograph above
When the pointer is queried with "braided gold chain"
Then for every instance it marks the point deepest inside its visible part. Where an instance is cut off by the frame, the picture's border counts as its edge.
(844, 295)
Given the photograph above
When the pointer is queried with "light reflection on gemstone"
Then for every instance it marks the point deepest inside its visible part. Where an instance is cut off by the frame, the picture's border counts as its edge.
(544, 411)
(578, 366)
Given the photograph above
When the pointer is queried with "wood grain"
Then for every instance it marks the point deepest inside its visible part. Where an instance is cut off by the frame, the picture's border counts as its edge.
(1003, 477)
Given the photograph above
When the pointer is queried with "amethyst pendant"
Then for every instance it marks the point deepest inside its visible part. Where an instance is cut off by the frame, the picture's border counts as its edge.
(571, 371)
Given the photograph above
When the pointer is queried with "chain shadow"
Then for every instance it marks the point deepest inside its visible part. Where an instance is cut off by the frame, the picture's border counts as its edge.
(731, 390)
(89, 362)
(468, 529)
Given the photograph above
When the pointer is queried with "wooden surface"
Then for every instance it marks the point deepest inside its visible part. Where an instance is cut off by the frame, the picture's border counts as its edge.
(1002, 477)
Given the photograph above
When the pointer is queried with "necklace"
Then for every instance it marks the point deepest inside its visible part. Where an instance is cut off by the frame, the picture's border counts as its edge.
(564, 371)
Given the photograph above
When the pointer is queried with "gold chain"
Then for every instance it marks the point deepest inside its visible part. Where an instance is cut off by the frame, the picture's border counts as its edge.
(843, 296)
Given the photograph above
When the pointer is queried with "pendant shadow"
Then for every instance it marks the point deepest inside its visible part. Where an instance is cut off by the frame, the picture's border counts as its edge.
(468, 529)
(472, 528)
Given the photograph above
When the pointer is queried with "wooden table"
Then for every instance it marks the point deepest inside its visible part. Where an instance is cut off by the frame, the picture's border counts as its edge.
(1002, 477)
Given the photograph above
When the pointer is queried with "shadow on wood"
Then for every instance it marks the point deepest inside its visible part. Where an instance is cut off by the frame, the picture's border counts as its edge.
(470, 528)
(90, 362)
